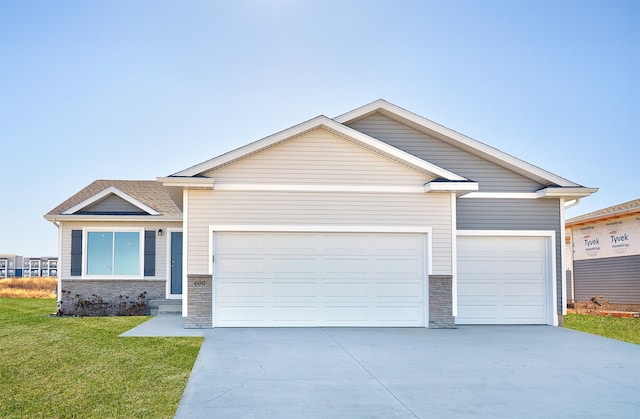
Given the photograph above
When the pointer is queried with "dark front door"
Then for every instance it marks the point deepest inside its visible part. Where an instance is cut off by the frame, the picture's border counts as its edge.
(176, 262)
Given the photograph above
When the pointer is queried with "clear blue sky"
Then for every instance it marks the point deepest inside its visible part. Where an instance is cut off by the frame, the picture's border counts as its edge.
(139, 89)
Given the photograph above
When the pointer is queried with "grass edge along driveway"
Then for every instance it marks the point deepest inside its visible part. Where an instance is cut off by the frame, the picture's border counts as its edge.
(624, 329)
(78, 367)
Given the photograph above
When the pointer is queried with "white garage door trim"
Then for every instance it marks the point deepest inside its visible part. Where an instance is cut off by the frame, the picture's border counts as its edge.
(426, 231)
(551, 297)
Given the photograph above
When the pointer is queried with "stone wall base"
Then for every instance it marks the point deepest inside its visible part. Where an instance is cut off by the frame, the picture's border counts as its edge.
(441, 302)
(199, 303)
(107, 297)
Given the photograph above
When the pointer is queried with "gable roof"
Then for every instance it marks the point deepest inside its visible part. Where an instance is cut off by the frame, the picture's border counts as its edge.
(147, 195)
(456, 139)
(320, 122)
(626, 208)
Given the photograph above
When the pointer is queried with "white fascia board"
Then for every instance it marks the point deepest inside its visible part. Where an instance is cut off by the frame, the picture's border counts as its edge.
(456, 137)
(187, 182)
(111, 190)
(319, 228)
(451, 186)
(321, 122)
(565, 192)
(265, 187)
(114, 218)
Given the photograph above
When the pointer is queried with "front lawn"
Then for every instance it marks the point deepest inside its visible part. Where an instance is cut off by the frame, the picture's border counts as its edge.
(79, 367)
(627, 330)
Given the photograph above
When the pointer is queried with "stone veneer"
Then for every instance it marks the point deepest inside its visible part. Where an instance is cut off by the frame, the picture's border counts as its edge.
(199, 304)
(440, 302)
(109, 290)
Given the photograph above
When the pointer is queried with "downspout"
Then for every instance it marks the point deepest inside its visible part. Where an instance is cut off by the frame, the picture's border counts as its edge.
(572, 203)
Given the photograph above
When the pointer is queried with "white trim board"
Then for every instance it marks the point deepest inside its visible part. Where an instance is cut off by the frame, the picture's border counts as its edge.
(260, 187)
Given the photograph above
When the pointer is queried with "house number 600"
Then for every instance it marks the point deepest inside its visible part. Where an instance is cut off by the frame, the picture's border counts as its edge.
(199, 283)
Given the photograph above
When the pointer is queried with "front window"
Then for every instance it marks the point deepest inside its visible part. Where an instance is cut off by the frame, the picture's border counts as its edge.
(113, 253)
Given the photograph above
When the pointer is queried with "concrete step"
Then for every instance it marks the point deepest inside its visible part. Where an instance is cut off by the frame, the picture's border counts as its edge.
(165, 306)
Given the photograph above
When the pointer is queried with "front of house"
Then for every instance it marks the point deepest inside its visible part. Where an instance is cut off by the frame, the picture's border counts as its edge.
(378, 217)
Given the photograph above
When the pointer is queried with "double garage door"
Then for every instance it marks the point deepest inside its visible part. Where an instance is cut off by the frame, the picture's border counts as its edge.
(319, 279)
(503, 280)
(266, 279)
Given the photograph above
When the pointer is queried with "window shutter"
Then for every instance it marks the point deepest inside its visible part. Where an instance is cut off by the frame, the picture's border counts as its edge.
(76, 252)
(150, 253)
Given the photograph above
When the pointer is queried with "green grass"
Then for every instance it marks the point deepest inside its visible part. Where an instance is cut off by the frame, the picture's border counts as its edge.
(627, 330)
(67, 367)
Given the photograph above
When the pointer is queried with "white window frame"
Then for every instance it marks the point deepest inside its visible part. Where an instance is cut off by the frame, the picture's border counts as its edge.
(85, 253)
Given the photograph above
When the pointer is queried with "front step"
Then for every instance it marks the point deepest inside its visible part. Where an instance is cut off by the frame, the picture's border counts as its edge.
(165, 306)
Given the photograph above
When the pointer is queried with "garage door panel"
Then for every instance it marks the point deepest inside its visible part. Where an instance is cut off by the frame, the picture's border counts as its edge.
(331, 279)
(398, 314)
(294, 313)
(477, 267)
(403, 244)
(523, 290)
(347, 314)
(294, 289)
(522, 313)
(502, 280)
(476, 289)
(238, 266)
(397, 291)
(246, 289)
(290, 244)
(398, 266)
(292, 265)
(341, 266)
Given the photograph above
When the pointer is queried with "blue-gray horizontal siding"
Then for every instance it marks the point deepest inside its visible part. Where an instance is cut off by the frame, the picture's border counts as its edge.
(514, 214)
(615, 279)
(490, 176)
(112, 204)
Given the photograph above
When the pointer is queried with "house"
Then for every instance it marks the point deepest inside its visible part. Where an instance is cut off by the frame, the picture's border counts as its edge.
(378, 217)
(603, 254)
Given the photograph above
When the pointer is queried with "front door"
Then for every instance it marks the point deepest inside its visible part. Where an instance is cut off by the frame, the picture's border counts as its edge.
(176, 262)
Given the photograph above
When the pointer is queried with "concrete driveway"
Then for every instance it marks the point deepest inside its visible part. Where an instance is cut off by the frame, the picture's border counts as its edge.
(472, 371)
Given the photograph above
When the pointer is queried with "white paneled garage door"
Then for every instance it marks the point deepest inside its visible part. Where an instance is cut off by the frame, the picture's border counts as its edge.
(502, 280)
(319, 279)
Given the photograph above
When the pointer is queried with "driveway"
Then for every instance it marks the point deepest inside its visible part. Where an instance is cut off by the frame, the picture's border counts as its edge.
(472, 371)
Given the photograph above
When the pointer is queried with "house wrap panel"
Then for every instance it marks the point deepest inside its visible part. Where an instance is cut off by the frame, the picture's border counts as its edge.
(616, 279)
(514, 214)
(319, 157)
(490, 176)
(317, 209)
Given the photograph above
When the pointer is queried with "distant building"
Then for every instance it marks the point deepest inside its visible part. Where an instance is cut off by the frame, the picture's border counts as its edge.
(603, 251)
(23, 266)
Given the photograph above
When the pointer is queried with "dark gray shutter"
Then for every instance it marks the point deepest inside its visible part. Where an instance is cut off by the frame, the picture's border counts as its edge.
(76, 252)
(150, 253)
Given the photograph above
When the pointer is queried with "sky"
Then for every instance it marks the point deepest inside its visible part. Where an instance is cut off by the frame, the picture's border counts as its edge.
(140, 89)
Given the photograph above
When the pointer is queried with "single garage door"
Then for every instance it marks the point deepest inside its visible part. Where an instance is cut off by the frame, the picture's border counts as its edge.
(502, 280)
(319, 279)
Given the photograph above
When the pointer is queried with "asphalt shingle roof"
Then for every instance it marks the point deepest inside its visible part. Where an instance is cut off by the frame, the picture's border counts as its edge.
(149, 192)
(620, 209)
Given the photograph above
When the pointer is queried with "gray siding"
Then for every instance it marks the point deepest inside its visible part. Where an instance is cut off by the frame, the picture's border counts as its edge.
(112, 205)
(616, 279)
(490, 176)
(514, 214)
